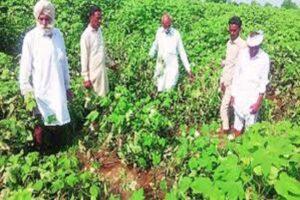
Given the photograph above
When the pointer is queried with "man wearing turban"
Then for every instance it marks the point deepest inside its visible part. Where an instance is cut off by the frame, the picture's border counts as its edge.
(44, 72)
(249, 83)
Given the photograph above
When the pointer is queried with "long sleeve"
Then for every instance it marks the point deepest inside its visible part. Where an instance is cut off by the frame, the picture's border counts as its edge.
(154, 47)
(263, 78)
(236, 75)
(25, 68)
(65, 65)
(228, 69)
(84, 54)
(183, 55)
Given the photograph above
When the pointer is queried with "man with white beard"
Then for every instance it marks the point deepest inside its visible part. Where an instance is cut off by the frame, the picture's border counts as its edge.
(44, 73)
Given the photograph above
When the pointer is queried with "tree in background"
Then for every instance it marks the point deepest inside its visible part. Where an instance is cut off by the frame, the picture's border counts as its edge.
(289, 4)
(216, 1)
(268, 4)
(254, 3)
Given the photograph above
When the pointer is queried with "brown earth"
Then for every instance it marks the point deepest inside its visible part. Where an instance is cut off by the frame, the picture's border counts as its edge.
(122, 179)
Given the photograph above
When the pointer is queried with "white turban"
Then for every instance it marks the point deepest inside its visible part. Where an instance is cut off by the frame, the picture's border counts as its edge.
(256, 39)
(45, 7)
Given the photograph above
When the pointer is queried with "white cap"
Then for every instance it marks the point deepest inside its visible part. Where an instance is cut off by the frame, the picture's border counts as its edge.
(255, 40)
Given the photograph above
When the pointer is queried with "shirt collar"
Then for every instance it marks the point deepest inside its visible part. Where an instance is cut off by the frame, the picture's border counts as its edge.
(170, 31)
(236, 41)
(92, 29)
(44, 33)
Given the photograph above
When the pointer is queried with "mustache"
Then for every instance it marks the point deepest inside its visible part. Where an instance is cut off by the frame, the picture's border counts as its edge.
(46, 27)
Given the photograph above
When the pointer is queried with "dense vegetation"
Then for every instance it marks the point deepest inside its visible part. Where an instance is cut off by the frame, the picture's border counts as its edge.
(174, 130)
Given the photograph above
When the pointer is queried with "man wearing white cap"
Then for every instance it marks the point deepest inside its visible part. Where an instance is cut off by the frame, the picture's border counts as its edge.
(249, 82)
(234, 45)
(168, 45)
(44, 71)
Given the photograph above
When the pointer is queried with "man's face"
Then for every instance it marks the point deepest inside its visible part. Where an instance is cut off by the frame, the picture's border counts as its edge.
(95, 20)
(253, 51)
(166, 22)
(44, 20)
(234, 31)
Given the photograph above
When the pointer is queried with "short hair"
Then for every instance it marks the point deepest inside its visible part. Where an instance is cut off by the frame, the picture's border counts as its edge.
(235, 20)
(94, 9)
(166, 14)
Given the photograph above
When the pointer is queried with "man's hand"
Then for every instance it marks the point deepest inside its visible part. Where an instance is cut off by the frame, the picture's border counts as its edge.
(70, 94)
(223, 88)
(231, 103)
(223, 63)
(191, 76)
(254, 108)
(114, 66)
(87, 84)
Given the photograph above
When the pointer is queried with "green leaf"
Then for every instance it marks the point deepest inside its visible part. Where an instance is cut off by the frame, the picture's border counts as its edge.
(156, 158)
(288, 187)
(94, 191)
(184, 184)
(23, 194)
(138, 195)
(57, 185)
(93, 116)
(201, 185)
(72, 180)
(163, 185)
(193, 163)
(171, 195)
(38, 186)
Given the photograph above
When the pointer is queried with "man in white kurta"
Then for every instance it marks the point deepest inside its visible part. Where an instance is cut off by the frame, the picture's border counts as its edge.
(44, 69)
(234, 45)
(93, 57)
(168, 45)
(249, 82)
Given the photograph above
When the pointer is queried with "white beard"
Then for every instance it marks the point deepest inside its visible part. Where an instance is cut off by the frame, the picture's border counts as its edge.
(47, 31)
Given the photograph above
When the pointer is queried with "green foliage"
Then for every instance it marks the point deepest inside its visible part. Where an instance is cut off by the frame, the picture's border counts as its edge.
(33, 175)
(264, 160)
(172, 130)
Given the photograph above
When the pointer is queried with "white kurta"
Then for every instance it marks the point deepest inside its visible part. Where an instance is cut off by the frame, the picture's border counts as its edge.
(168, 46)
(249, 81)
(93, 60)
(44, 71)
(232, 52)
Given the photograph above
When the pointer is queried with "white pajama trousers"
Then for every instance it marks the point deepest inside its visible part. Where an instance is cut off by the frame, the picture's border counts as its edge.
(241, 120)
(170, 73)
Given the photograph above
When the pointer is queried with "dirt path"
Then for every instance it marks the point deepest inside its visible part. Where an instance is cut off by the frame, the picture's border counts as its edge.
(122, 179)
